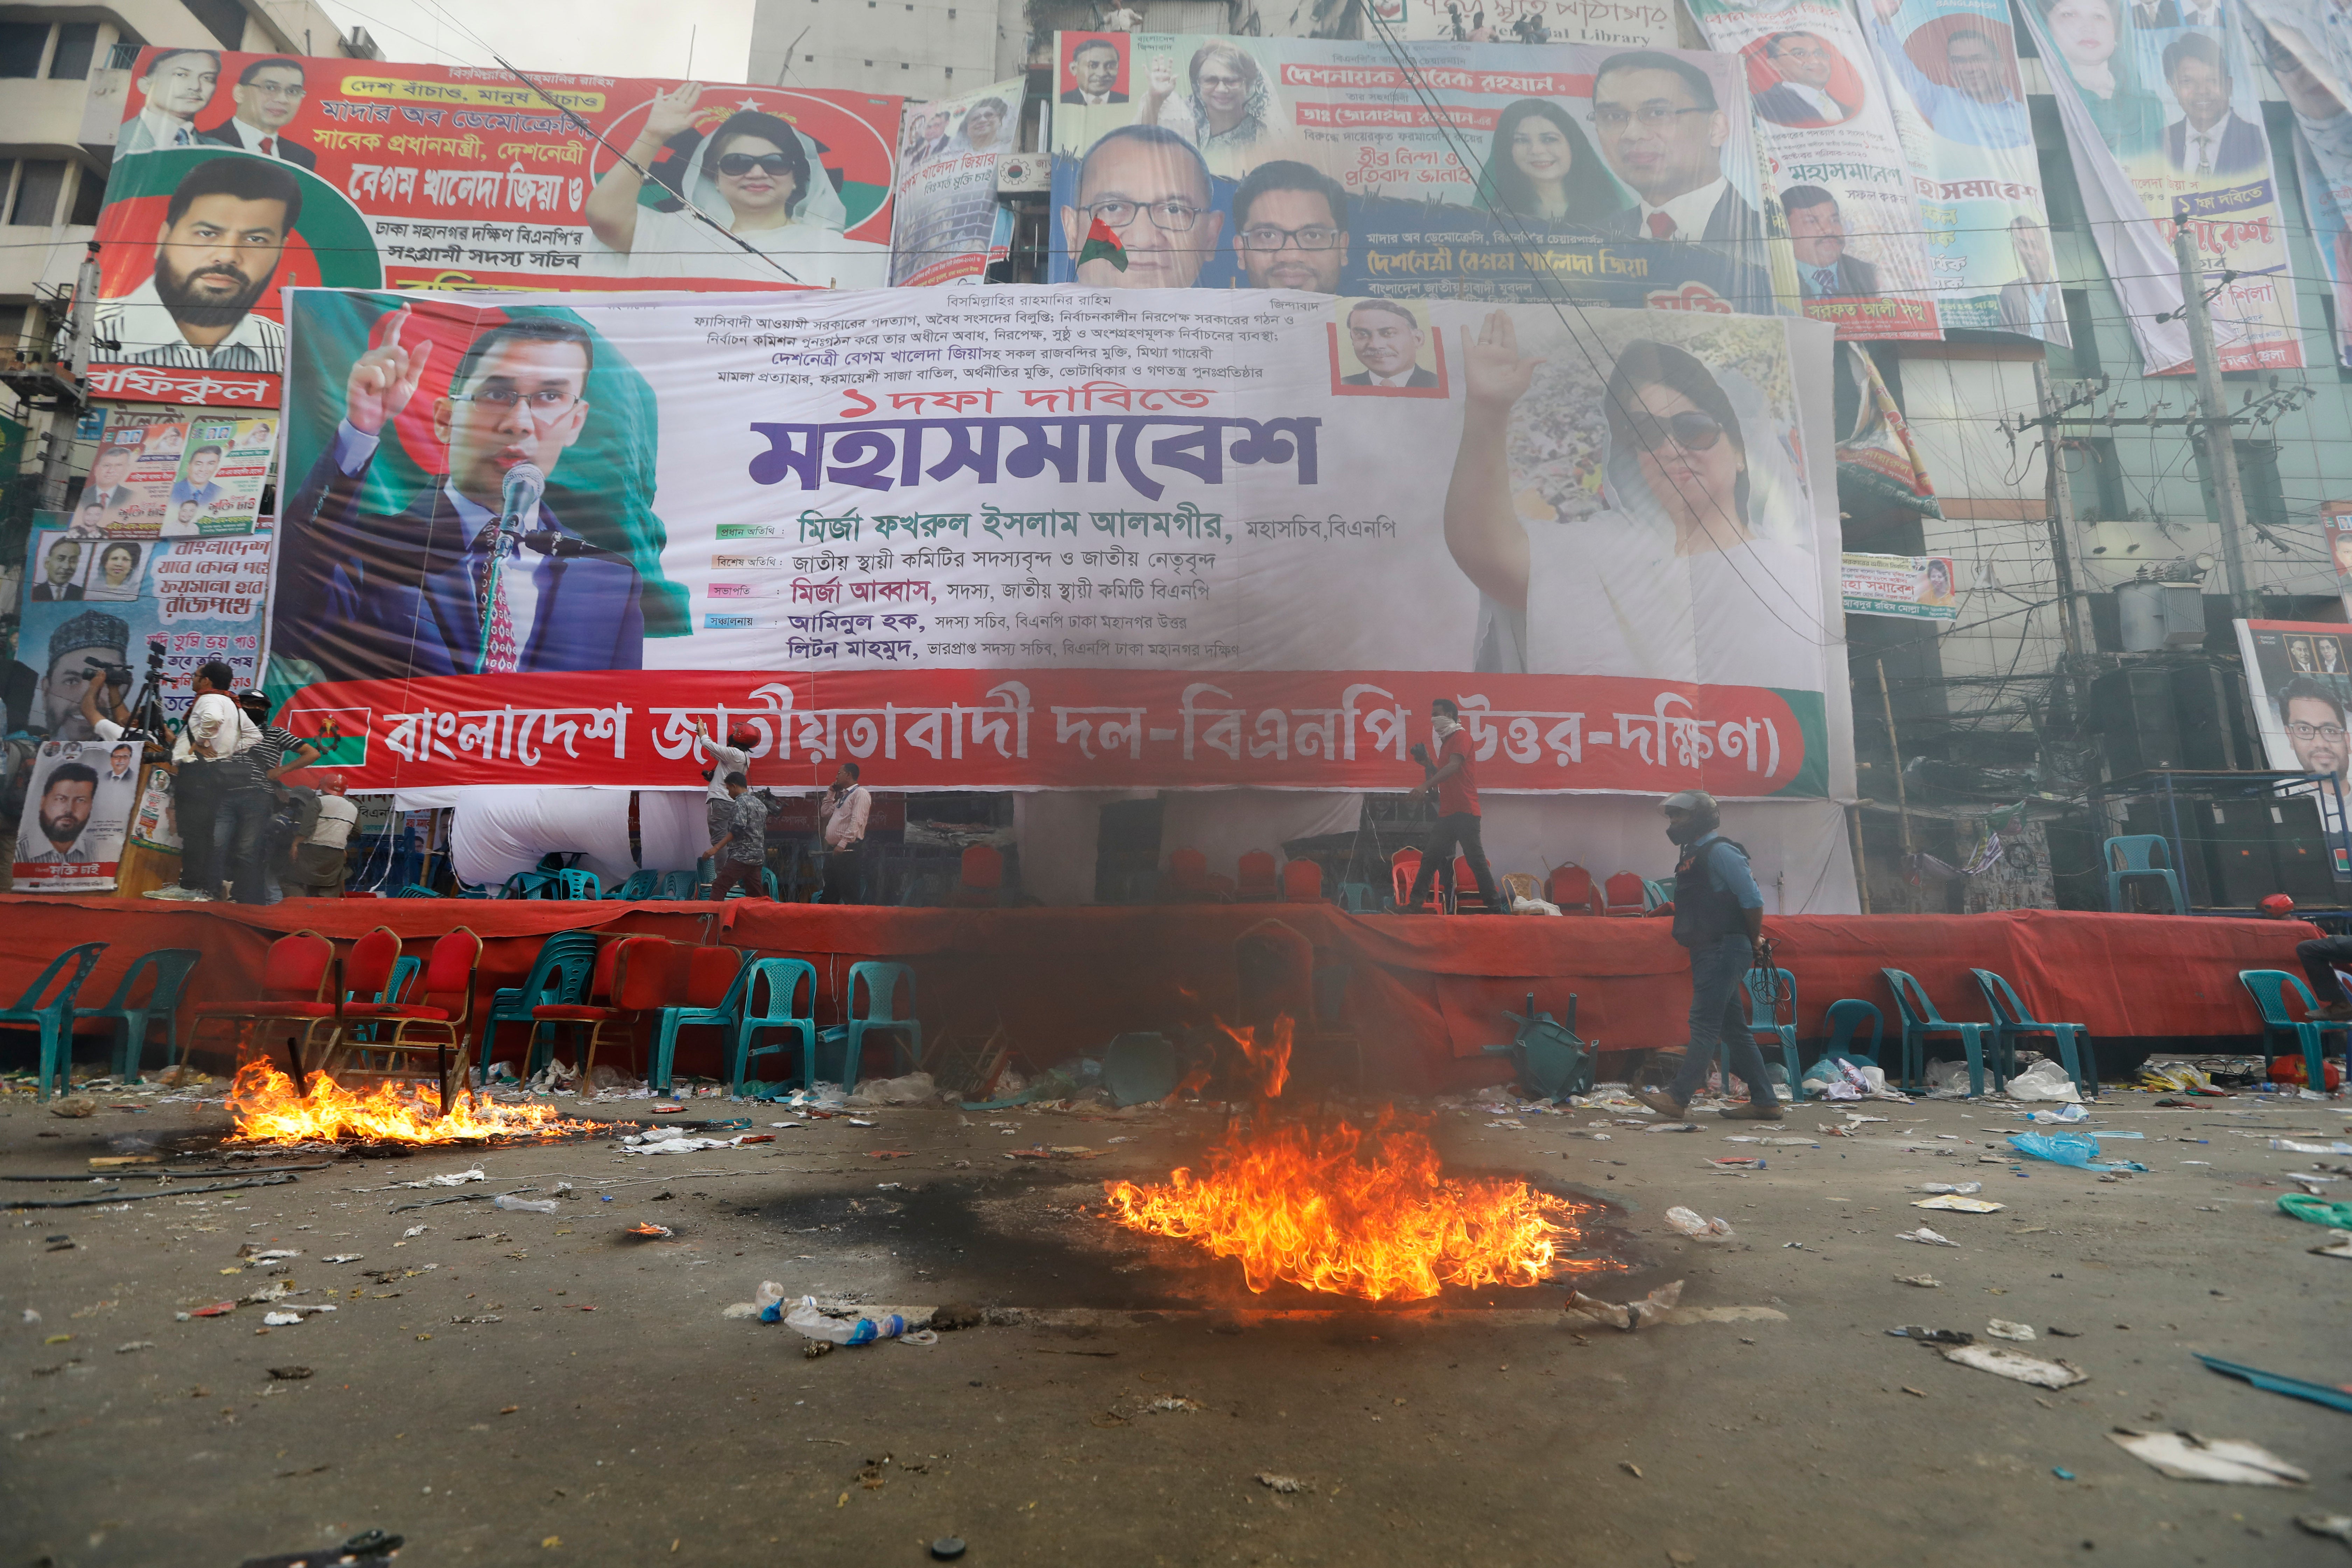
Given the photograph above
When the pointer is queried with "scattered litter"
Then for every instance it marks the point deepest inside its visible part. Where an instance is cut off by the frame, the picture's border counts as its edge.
(74, 1108)
(281, 1320)
(413, 1232)
(1674, 1127)
(1925, 1281)
(915, 1089)
(2185, 1457)
(648, 1229)
(1738, 1162)
(1058, 1151)
(1797, 1143)
(217, 1310)
(1925, 1235)
(289, 1374)
(1958, 1204)
(1512, 1123)
(853, 1122)
(1287, 1485)
(2061, 1472)
(134, 1345)
(2068, 1148)
(2334, 1526)
(1630, 1468)
(1962, 1188)
(948, 1548)
(514, 1204)
(2339, 1244)
(2018, 1368)
(2289, 1145)
(1697, 1226)
(814, 1323)
(1927, 1336)
(1628, 1315)
(2276, 1382)
(453, 1179)
(344, 1257)
(2064, 1113)
(2002, 1329)
(2045, 1080)
(666, 1110)
(2316, 1211)
(740, 1309)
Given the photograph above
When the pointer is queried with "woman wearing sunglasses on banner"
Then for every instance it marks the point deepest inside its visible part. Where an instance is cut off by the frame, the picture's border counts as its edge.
(1697, 568)
(756, 175)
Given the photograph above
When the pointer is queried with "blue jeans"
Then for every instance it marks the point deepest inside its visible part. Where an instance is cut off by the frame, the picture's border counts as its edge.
(240, 828)
(1716, 1018)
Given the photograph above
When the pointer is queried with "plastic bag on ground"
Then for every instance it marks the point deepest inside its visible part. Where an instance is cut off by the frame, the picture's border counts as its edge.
(1698, 1228)
(914, 1088)
(2045, 1079)
(2016, 1368)
(512, 1203)
(2068, 1148)
(1628, 1315)
(816, 1324)
(1533, 906)
(1947, 1079)
(2186, 1457)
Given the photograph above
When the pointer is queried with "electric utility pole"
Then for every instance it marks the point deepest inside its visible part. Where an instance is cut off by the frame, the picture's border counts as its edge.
(2058, 508)
(2219, 429)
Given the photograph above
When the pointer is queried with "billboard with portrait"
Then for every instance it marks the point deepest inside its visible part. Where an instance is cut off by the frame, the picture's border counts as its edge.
(2163, 122)
(1910, 587)
(946, 197)
(1638, 24)
(1837, 162)
(238, 175)
(177, 473)
(1023, 537)
(2303, 44)
(1591, 172)
(78, 806)
(2299, 677)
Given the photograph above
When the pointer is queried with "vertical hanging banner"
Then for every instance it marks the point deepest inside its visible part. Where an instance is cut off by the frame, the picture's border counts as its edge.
(1948, 68)
(945, 196)
(238, 174)
(179, 473)
(1640, 24)
(78, 807)
(1836, 163)
(1565, 172)
(2165, 130)
(2310, 59)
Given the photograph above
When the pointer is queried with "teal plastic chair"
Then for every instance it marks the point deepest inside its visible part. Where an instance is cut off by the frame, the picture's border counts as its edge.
(1921, 1023)
(766, 886)
(782, 977)
(2307, 1035)
(559, 977)
(677, 887)
(2142, 857)
(1657, 893)
(881, 982)
(54, 1018)
(415, 891)
(403, 970)
(170, 968)
(715, 979)
(1843, 1023)
(640, 884)
(1359, 898)
(530, 885)
(2012, 1022)
(574, 883)
(1764, 1018)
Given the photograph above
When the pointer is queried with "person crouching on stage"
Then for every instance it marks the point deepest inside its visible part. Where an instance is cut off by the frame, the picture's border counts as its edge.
(1719, 916)
(1457, 789)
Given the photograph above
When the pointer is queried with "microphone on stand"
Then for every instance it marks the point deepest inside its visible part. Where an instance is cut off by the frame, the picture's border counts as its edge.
(525, 482)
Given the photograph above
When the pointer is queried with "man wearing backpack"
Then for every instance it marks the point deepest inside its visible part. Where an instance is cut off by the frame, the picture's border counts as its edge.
(1719, 916)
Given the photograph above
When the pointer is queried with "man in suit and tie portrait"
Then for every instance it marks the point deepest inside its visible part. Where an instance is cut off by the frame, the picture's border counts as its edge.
(2032, 303)
(1817, 236)
(1662, 131)
(176, 86)
(415, 593)
(2209, 139)
(269, 93)
(1094, 72)
(1387, 338)
(1801, 97)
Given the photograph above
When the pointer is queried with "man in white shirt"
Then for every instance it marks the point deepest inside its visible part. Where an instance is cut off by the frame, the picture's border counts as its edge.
(843, 811)
(734, 757)
(178, 86)
(1387, 338)
(1662, 131)
(269, 93)
(319, 862)
(225, 229)
(212, 773)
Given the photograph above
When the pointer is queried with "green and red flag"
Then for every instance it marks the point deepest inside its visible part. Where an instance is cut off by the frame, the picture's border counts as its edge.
(1102, 244)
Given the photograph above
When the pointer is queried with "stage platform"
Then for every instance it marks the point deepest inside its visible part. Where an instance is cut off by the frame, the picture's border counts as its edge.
(1426, 993)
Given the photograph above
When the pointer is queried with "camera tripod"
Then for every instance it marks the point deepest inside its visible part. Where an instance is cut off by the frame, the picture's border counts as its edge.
(147, 708)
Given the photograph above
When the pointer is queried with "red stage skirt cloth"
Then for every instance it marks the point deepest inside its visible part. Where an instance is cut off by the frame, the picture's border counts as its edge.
(1426, 993)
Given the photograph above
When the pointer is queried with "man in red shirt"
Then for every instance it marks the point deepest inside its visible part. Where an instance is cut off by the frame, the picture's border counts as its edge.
(1457, 789)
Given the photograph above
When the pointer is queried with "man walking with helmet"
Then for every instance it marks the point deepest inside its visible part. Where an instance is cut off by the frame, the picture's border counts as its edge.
(1719, 916)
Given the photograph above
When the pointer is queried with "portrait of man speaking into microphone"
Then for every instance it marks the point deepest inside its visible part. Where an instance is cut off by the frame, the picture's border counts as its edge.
(477, 569)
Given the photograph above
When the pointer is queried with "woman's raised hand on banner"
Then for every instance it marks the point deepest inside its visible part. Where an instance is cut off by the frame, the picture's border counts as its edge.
(672, 111)
(1494, 375)
(385, 377)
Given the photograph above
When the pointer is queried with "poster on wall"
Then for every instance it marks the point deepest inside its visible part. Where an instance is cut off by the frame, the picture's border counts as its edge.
(174, 473)
(2164, 123)
(78, 806)
(1591, 172)
(101, 604)
(1044, 537)
(2336, 527)
(2299, 677)
(1636, 24)
(238, 174)
(1948, 68)
(2303, 44)
(946, 199)
(1912, 587)
(1838, 165)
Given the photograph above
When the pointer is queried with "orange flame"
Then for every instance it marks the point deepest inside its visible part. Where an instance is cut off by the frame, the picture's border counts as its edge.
(1358, 1213)
(269, 1111)
(1269, 1064)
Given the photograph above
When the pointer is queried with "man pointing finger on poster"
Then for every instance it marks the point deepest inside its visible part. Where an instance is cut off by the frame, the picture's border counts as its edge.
(476, 576)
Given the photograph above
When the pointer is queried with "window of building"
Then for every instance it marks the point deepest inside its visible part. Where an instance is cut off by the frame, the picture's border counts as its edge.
(21, 45)
(89, 195)
(2258, 483)
(224, 19)
(77, 46)
(39, 183)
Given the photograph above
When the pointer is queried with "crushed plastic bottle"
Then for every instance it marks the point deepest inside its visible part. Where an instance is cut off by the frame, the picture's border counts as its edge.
(530, 1205)
(817, 1325)
(770, 1300)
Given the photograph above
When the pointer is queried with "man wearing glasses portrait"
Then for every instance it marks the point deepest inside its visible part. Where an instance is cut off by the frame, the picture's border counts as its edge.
(1148, 186)
(1290, 226)
(2313, 720)
(269, 93)
(1662, 131)
(440, 588)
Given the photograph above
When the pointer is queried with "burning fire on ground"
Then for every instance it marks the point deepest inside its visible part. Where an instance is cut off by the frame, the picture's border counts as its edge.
(269, 1111)
(1350, 1212)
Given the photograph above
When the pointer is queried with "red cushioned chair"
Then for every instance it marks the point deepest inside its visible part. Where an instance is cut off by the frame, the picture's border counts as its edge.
(1254, 880)
(1404, 867)
(1465, 886)
(634, 977)
(1571, 887)
(1623, 895)
(1302, 882)
(980, 883)
(294, 979)
(1187, 880)
(438, 1022)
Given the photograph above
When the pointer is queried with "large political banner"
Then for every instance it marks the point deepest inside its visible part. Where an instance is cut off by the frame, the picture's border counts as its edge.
(238, 175)
(2310, 57)
(1837, 163)
(1948, 68)
(946, 202)
(100, 603)
(1049, 536)
(1596, 173)
(175, 473)
(2165, 126)
(1648, 24)
(78, 806)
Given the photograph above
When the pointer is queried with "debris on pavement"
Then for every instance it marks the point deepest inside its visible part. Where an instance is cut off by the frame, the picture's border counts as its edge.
(2064, 1113)
(1287, 1485)
(2186, 1457)
(2316, 1211)
(2334, 1526)
(2018, 1368)
(1925, 1235)
(2278, 1382)
(1933, 1336)
(2068, 1148)
(2338, 1244)
(1958, 1204)
(1961, 1188)
(1628, 1315)
(514, 1204)
(1698, 1228)
(1925, 1281)
(648, 1230)
(2044, 1080)
(815, 1323)
(2003, 1329)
